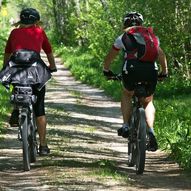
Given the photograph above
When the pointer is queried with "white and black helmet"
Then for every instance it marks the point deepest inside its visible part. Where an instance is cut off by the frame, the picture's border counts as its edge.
(132, 19)
(29, 16)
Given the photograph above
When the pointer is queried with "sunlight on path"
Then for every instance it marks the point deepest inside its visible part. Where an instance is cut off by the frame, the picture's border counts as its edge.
(86, 153)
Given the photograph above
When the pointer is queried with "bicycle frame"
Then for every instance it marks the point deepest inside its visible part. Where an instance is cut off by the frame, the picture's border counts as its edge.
(137, 139)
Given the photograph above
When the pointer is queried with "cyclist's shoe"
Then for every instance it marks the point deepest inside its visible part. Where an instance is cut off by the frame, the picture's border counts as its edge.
(152, 144)
(14, 119)
(123, 131)
(44, 150)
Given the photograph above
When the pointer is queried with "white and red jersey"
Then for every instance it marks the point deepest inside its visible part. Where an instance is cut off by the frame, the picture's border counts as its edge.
(139, 43)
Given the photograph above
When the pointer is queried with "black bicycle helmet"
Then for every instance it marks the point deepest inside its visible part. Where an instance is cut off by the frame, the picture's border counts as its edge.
(132, 19)
(29, 16)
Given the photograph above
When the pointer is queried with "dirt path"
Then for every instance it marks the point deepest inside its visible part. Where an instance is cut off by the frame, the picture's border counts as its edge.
(86, 153)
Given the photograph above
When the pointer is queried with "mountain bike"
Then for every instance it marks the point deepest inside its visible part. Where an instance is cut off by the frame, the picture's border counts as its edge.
(137, 139)
(22, 98)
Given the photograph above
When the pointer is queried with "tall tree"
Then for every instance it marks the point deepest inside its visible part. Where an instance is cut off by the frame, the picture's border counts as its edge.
(62, 11)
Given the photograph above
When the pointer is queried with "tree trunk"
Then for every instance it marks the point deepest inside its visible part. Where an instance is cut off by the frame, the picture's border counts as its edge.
(60, 8)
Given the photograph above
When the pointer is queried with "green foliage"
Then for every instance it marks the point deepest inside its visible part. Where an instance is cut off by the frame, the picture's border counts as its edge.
(100, 32)
(107, 168)
(3, 33)
(173, 126)
(4, 95)
(5, 108)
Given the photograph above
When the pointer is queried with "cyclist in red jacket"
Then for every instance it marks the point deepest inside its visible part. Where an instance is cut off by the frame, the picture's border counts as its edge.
(28, 35)
(134, 69)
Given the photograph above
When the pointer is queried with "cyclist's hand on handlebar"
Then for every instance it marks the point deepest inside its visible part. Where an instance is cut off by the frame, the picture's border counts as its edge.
(52, 70)
(108, 74)
(162, 76)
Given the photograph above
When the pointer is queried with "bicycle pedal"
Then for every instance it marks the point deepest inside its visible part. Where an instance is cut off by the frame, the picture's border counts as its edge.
(19, 137)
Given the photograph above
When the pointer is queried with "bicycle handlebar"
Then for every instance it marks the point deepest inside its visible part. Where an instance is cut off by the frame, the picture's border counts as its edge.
(162, 75)
(118, 77)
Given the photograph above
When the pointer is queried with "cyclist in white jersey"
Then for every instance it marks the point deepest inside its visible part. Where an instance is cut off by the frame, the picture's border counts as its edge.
(141, 71)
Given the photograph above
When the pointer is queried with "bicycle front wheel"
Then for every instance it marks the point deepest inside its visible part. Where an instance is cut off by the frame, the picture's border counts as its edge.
(141, 141)
(132, 147)
(25, 136)
(131, 154)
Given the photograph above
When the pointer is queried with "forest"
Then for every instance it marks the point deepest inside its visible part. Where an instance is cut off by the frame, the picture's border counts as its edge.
(83, 31)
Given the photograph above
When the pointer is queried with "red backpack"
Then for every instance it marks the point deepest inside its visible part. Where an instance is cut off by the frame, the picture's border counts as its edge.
(147, 43)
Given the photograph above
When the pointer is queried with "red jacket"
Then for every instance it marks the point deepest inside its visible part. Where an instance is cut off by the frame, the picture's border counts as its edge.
(31, 38)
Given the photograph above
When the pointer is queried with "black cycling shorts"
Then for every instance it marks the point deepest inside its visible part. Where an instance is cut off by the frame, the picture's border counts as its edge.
(39, 108)
(139, 72)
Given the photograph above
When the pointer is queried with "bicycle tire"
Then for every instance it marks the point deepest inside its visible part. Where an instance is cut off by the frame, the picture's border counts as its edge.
(132, 142)
(33, 142)
(131, 154)
(25, 141)
(141, 141)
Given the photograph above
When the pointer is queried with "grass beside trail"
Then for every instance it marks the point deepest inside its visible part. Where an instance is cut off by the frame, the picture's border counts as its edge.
(5, 106)
(4, 109)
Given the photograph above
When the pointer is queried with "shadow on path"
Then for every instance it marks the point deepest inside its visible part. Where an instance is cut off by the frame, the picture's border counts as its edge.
(86, 153)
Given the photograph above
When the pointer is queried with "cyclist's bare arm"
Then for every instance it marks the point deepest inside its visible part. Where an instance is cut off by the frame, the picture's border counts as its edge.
(51, 61)
(109, 58)
(162, 61)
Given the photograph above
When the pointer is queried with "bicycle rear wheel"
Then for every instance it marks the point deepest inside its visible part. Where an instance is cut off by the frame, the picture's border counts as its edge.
(25, 141)
(141, 141)
(33, 142)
